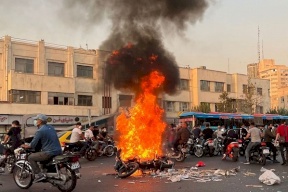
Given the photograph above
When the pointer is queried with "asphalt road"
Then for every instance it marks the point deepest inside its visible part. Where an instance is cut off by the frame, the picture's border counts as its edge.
(98, 176)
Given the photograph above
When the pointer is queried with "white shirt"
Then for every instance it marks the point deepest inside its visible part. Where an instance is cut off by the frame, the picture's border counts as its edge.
(75, 136)
(89, 134)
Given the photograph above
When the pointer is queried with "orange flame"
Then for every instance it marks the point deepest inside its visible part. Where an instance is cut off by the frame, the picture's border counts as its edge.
(140, 129)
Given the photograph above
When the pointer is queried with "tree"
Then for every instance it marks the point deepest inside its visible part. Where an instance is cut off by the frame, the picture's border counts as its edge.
(280, 111)
(226, 103)
(203, 107)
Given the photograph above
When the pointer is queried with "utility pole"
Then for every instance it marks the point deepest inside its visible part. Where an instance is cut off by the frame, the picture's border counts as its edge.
(259, 54)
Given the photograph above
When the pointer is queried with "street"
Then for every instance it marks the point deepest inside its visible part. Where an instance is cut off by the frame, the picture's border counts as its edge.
(98, 176)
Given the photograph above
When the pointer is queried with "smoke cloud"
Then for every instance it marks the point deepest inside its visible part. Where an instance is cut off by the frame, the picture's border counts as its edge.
(141, 24)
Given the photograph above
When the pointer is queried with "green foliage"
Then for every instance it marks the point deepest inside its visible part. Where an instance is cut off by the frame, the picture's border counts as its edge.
(203, 107)
(226, 104)
(280, 111)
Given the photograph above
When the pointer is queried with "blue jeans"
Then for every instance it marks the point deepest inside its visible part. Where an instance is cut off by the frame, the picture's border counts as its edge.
(248, 149)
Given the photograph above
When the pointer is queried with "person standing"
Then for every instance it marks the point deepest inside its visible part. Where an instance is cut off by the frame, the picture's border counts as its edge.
(268, 137)
(283, 132)
(255, 135)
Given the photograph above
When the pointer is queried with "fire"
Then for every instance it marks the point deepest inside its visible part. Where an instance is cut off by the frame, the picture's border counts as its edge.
(141, 127)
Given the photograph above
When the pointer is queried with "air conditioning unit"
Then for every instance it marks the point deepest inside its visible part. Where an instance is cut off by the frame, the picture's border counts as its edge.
(202, 67)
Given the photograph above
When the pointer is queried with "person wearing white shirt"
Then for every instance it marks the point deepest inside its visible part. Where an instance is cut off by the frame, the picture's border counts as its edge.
(76, 136)
(90, 137)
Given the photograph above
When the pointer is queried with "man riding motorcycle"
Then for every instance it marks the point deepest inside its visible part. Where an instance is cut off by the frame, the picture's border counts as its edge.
(45, 142)
(182, 136)
(255, 135)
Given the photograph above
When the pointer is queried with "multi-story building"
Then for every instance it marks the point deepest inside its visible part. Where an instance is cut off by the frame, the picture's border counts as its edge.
(203, 86)
(67, 84)
(277, 74)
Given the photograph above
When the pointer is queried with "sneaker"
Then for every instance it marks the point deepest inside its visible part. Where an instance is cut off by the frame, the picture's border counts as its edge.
(224, 157)
(284, 163)
(39, 177)
(247, 163)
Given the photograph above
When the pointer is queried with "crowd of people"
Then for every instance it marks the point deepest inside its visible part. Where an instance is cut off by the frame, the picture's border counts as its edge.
(45, 143)
(273, 135)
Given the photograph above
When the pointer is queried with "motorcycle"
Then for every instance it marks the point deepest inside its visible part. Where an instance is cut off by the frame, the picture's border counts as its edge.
(61, 171)
(107, 147)
(9, 159)
(126, 168)
(90, 152)
(243, 146)
(259, 153)
(232, 150)
(204, 148)
(182, 153)
(218, 146)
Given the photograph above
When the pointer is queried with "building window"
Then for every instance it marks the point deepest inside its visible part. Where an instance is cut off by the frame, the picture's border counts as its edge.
(170, 106)
(60, 99)
(259, 109)
(244, 88)
(55, 69)
(204, 85)
(24, 65)
(219, 87)
(106, 102)
(21, 96)
(84, 100)
(84, 71)
(183, 106)
(184, 84)
(228, 88)
(259, 91)
(125, 100)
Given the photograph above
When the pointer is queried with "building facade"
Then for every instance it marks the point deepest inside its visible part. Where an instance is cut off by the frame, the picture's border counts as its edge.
(278, 76)
(68, 85)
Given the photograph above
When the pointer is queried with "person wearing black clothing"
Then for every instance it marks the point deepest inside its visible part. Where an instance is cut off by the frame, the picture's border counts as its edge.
(230, 135)
(196, 132)
(207, 133)
(13, 136)
(268, 137)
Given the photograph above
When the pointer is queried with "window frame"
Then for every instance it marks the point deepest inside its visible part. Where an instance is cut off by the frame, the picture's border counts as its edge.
(81, 70)
(56, 66)
(25, 65)
(86, 100)
(25, 96)
(204, 85)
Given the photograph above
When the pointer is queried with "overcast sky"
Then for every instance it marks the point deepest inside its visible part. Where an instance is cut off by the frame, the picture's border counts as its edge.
(226, 35)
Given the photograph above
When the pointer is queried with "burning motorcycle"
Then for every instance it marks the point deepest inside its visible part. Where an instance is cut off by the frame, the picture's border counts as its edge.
(61, 171)
(107, 147)
(126, 168)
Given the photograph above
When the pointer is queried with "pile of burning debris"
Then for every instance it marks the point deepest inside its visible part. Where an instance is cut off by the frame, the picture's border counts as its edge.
(197, 175)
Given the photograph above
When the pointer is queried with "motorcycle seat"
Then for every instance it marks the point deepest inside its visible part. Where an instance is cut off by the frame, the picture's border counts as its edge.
(71, 144)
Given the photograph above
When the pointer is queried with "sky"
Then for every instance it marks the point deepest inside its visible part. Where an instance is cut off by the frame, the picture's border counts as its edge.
(224, 39)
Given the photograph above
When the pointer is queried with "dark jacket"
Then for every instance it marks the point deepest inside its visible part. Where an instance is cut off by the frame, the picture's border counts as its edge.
(268, 135)
(183, 135)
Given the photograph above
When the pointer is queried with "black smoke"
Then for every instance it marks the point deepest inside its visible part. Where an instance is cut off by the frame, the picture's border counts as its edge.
(140, 23)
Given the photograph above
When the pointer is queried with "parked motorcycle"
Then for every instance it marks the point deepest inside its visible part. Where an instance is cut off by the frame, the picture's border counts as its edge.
(126, 168)
(90, 152)
(259, 153)
(204, 148)
(218, 146)
(60, 171)
(232, 150)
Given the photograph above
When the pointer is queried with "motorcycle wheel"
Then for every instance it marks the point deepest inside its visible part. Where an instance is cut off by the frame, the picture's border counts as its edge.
(235, 154)
(91, 154)
(109, 151)
(241, 152)
(181, 158)
(22, 176)
(198, 151)
(262, 160)
(126, 172)
(71, 179)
